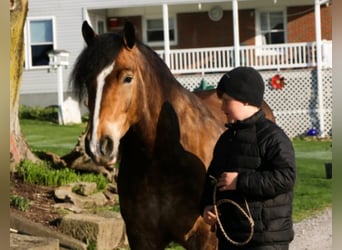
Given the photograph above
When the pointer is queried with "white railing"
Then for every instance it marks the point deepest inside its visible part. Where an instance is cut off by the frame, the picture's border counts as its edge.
(218, 59)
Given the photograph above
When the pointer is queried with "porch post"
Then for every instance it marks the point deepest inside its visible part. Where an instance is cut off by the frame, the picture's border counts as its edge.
(319, 66)
(166, 34)
(236, 33)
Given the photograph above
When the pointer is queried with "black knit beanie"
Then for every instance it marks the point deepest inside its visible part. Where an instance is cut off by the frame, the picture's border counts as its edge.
(244, 84)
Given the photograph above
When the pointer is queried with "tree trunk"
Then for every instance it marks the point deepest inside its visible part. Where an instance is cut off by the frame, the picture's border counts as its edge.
(19, 149)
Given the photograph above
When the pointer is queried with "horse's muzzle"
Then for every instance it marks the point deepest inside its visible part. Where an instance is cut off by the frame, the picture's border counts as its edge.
(102, 152)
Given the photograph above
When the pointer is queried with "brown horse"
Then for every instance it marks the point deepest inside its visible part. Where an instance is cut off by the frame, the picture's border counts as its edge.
(161, 134)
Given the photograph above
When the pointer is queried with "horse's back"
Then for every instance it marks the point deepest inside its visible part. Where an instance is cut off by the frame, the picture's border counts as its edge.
(209, 97)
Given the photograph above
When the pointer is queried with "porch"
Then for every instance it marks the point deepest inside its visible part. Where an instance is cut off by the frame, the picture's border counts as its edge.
(303, 103)
(265, 57)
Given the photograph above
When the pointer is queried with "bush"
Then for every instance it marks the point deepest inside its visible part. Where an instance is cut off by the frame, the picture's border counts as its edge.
(39, 113)
(20, 202)
(43, 174)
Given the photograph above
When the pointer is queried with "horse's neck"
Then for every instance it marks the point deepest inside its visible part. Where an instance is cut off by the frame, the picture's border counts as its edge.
(199, 129)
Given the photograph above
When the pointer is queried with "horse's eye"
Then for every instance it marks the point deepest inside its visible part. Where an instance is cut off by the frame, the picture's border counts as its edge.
(128, 79)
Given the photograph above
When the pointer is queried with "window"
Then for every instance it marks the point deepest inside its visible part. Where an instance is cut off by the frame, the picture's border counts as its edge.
(271, 27)
(154, 34)
(39, 41)
(100, 25)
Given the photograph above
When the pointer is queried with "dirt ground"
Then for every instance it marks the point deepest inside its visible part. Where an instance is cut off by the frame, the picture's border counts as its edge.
(41, 202)
(311, 234)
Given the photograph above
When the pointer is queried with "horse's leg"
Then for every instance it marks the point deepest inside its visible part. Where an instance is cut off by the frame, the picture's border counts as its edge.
(138, 206)
(144, 241)
(142, 228)
(201, 239)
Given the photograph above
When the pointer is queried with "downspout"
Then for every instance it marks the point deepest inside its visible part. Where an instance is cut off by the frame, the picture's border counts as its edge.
(236, 33)
(319, 66)
(166, 34)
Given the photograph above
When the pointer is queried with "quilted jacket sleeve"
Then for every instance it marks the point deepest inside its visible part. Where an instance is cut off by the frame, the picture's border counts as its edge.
(277, 172)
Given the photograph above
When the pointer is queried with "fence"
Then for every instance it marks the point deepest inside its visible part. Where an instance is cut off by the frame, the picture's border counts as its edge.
(275, 56)
(295, 105)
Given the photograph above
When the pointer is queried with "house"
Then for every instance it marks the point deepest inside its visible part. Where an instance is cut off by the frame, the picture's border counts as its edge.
(205, 38)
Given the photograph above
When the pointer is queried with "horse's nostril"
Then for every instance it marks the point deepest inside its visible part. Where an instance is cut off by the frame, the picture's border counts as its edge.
(106, 146)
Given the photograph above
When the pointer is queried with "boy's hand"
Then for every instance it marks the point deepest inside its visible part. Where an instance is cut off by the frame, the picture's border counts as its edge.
(227, 181)
(209, 215)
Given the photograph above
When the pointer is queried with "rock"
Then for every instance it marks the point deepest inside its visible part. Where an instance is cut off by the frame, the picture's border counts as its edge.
(78, 196)
(107, 230)
(85, 188)
(112, 198)
(94, 200)
(27, 242)
(24, 225)
(63, 192)
(81, 188)
(68, 206)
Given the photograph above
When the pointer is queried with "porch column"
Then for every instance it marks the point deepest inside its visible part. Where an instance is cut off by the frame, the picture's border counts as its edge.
(166, 34)
(236, 33)
(319, 66)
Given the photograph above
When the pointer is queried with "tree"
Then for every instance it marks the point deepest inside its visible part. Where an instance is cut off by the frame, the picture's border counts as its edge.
(19, 149)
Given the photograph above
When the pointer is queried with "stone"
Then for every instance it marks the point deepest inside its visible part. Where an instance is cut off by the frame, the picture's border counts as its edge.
(84, 188)
(28, 242)
(80, 195)
(62, 192)
(25, 226)
(106, 229)
(94, 200)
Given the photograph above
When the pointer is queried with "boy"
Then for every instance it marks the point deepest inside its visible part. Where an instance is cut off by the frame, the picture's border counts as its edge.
(254, 167)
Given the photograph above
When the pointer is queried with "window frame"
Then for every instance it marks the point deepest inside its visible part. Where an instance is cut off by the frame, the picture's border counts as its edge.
(258, 33)
(100, 19)
(158, 17)
(28, 44)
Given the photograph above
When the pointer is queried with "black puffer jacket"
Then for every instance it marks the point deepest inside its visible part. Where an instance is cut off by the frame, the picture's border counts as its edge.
(263, 156)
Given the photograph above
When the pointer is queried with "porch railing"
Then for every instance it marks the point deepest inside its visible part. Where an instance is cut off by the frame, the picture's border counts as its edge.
(219, 59)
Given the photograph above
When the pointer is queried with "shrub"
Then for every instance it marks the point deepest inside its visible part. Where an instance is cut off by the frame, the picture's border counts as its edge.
(39, 113)
(19, 202)
(44, 174)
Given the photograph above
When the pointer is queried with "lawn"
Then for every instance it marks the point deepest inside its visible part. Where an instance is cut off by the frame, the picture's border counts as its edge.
(49, 136)
(313, 191)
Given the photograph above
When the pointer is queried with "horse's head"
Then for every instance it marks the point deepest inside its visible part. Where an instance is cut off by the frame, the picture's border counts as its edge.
(106, 72)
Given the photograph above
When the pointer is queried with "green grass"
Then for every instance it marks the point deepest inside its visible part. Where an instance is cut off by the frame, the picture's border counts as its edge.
(51, 137)
(44, 174)
(21, 203)
(313, 192)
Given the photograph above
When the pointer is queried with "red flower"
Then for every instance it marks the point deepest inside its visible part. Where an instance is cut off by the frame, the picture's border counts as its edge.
(277, 82)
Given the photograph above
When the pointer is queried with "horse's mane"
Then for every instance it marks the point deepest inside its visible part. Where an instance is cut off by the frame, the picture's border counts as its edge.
(93, 59)
(105, 48)
(170, 86)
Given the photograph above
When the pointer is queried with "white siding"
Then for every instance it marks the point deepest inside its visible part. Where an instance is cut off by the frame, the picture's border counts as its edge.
(69, 16)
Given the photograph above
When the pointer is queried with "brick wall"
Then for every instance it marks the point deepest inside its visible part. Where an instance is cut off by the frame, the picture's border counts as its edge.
(301, 23)
(197, 30)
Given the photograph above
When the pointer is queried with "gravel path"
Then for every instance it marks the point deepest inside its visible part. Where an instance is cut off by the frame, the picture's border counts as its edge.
(314, 233)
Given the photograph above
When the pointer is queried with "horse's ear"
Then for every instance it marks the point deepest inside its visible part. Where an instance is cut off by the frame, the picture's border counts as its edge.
(129, 35)
(88, 33)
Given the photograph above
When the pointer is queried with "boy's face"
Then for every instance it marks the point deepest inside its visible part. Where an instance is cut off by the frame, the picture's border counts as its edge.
(233, 109)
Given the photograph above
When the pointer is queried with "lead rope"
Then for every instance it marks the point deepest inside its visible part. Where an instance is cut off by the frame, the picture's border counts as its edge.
(246, 214)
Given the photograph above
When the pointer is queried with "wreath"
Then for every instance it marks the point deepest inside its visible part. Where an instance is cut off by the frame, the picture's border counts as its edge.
(277, 82)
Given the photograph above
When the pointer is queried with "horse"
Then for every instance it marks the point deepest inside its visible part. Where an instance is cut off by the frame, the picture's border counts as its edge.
(161, 134)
